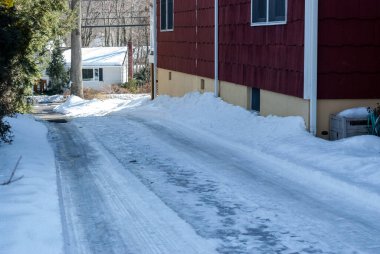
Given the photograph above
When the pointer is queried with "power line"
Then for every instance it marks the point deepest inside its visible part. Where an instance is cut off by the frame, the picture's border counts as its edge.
(114, 26)
(116, 18)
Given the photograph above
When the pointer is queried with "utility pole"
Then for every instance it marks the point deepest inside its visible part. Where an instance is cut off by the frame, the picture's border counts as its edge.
(76, 51)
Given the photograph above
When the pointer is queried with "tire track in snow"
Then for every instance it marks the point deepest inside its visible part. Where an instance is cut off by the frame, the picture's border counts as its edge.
(108, 209)
(323, 213)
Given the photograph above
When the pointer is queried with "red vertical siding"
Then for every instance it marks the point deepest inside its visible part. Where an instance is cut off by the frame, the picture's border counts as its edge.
(349, 49)
(267, 57)
(205, 38)
(176, 50)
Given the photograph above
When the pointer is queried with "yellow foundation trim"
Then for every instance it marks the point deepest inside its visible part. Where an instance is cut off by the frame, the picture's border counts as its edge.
(271, 103)
(178, 84)
(235, 94)
(283, 105)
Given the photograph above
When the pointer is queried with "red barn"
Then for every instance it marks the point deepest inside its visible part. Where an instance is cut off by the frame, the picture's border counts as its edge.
(284, 57)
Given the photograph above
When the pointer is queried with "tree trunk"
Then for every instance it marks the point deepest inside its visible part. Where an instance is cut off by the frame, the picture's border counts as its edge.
(130, 60)
(76, 52)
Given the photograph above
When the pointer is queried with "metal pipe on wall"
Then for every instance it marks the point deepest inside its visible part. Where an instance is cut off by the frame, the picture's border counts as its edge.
(155, 49)
(216, 49)
(311, 61)
(314, 70)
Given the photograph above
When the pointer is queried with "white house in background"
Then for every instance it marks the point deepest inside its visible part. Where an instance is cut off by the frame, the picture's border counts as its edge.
(102, 66)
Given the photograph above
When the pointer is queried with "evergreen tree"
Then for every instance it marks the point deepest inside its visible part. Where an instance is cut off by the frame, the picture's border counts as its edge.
(59, 77)
(26, 27)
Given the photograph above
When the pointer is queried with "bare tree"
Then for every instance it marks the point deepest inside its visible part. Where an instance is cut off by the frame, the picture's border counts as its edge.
(116, 12)
(91, 13)
(111, 16)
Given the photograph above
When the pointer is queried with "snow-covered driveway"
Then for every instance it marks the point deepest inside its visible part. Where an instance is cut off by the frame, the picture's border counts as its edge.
(135, 183)
(106, 209)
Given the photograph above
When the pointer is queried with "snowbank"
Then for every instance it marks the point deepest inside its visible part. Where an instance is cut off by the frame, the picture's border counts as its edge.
(29, 208)
(77, 107)
(205, 112)
(355, 160)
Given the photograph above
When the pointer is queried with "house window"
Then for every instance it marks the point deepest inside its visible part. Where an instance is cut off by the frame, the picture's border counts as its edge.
(94, 74)
(167, 15)
(268, 12)
(88, 74)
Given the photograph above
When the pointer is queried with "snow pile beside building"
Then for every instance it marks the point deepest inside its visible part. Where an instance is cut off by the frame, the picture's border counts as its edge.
(354, 160)
(29, 208)
(205, 112)
(77, 107)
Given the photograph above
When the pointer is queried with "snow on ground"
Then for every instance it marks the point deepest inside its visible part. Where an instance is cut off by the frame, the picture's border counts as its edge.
(355, 160)
(107, 209)
(77, 107)
(256, 184)
(332, 189)
(29, 208)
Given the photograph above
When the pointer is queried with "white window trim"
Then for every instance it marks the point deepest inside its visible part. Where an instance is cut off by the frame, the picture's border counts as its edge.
(96, 78)
(166, 30)
(270, 23)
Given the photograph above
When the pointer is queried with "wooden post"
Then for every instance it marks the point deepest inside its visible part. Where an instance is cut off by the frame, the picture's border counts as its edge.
(76, 52)
(152, 77)
(130, 60)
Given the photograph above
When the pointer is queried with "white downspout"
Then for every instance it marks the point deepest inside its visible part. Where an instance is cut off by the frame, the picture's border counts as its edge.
(155, 49)
(216, 49)
(311, 60)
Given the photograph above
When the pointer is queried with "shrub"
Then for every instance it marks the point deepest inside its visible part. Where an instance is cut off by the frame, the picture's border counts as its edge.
(26, 27)
(142, 76)
(131, 86)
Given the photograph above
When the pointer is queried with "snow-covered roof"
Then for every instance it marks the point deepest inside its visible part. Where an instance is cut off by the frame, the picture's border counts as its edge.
(100, 56)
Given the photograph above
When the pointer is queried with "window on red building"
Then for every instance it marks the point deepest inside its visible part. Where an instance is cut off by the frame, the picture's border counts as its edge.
(167, 15)
(268, 12)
